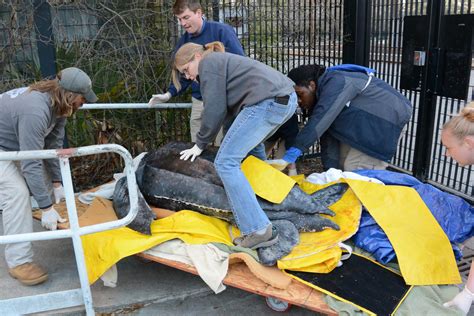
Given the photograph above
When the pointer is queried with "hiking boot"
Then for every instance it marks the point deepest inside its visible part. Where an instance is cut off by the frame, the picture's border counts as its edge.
(254, 240)
(29, 273)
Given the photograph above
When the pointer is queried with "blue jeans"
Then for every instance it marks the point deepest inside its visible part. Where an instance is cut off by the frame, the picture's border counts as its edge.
(250, 129)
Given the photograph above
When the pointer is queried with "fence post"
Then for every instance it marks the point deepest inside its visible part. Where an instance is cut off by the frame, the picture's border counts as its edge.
(215, 11)
(45, 43)
(355, 47)
(427, 110)
(44, 38)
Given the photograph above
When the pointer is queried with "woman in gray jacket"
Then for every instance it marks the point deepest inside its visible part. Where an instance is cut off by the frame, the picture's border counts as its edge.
(33, 118)
(251, 100)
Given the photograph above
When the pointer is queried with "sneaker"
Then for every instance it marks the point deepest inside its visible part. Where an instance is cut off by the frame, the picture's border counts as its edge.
(29, 273)
(254, 240)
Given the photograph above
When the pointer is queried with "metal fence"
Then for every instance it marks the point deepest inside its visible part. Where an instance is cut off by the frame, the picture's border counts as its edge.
(125, 46)
(386, 31)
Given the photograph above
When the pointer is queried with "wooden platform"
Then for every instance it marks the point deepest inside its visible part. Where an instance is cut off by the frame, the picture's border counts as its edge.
(239, 276)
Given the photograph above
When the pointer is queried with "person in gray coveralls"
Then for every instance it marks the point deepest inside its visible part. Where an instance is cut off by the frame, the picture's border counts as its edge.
(34, 118)
(251, 100)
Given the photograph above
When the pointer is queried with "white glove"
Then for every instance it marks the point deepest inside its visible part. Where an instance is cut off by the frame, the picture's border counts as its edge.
(159, 98)
(192, 152)
(278, 164)
(59, 194)
(292, 170)
(462, 301)
(50, 219)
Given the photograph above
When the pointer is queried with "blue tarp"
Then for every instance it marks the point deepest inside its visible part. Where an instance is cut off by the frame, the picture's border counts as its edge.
(455, 216)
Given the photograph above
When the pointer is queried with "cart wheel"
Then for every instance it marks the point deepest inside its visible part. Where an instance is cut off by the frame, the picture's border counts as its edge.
(277, 305)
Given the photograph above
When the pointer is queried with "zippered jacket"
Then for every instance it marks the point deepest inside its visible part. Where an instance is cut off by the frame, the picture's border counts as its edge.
(368, 118)
(231, 82)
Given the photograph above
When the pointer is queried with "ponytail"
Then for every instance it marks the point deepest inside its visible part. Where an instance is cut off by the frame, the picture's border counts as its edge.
(462, 125)
(186, 53)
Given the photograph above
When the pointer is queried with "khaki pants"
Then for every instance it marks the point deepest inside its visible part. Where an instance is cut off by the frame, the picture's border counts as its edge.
(352, 159)
(17, 217)
(196, 119)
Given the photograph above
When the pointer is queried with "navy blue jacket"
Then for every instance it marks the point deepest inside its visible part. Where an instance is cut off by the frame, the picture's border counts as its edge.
(369, 120)
(211, 32)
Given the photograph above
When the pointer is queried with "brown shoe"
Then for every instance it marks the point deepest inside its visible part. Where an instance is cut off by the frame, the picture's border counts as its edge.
(29, 273)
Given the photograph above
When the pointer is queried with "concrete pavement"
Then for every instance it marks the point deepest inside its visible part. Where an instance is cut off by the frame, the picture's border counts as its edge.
(144, 288)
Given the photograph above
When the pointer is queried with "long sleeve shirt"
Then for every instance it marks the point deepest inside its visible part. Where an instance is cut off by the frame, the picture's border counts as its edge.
(28, 122)
(369, 120)
(230, 82)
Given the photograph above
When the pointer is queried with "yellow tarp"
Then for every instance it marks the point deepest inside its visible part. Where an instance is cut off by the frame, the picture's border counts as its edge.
(423, 250)
(104, 249)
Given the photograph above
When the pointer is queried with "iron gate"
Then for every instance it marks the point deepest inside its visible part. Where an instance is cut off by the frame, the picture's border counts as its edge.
(420, 151)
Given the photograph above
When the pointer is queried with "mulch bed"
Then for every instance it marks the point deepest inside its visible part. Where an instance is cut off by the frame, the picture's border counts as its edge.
(308, 166)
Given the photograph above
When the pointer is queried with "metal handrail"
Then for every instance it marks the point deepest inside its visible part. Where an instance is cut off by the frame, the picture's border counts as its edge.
(68, 298)
(134, 106)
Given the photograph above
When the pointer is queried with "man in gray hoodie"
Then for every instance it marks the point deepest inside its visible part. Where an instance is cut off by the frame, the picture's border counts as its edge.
(34, 118)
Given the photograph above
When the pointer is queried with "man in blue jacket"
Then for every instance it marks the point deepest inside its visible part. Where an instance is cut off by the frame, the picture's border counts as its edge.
(357, 117)
(200, 31)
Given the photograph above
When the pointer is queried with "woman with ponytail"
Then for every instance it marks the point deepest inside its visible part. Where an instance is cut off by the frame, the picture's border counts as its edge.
(458, 138)
(251, 100)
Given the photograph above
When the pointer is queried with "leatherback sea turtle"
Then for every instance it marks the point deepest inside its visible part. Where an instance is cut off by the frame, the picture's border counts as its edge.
(168, 182)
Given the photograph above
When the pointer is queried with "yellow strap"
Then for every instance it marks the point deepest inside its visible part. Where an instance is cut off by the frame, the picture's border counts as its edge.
(423, 250)
(266, 181)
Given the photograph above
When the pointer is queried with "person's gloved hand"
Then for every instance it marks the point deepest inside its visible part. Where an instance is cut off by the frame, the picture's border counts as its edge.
(292, 170)
(278, 164)
(290, 157)
(50, 219)
(192, 152)
(159, 98)
(59, 194)
(292, 154)
(462, 301)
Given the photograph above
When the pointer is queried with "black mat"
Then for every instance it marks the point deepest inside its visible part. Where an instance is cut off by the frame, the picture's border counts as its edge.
(360, 282)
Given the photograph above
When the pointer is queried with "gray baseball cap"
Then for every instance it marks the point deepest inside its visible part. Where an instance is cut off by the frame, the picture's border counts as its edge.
(75, 80)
